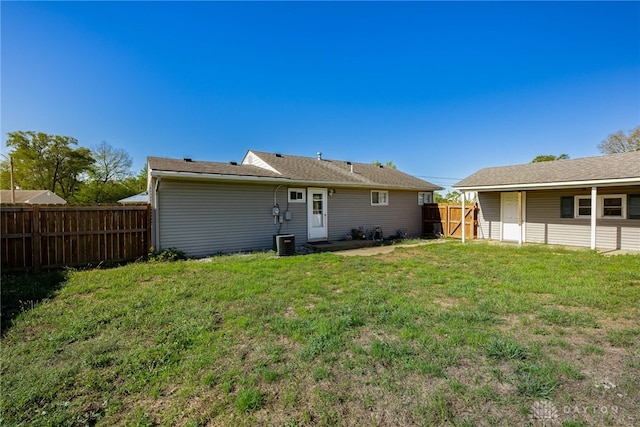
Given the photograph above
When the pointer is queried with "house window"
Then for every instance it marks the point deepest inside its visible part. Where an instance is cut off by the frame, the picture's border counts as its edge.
(297, 195)
(583, 207)
(609, 206)
(425, 197)
(633, 205)
(379, 198)
(566, 207)
(612, 206)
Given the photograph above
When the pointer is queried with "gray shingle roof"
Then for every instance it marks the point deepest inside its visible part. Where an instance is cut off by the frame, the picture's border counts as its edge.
(215, 168)
(587, 169)
(302, 170)
(25, 196)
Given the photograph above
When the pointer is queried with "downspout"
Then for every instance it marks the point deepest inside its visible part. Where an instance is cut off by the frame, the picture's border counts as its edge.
(156, 216)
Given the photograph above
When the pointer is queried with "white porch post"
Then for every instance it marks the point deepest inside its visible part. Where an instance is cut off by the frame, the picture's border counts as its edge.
(594, 214)
(519, 218)
(463, 219)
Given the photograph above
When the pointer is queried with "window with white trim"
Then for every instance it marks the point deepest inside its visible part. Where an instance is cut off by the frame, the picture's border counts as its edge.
(379, 198)
(297, 195)
(613, 206)
(425, 197)
(583, 207)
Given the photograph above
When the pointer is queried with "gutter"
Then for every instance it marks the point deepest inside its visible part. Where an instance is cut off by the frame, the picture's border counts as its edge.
(552, 185)
(271, 180)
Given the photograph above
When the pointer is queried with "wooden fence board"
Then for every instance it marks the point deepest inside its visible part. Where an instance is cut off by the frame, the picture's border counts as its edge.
(35, 237)
(445, 219)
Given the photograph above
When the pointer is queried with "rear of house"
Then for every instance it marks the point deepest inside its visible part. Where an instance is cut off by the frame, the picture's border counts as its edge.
(203, 208)
(592, 202)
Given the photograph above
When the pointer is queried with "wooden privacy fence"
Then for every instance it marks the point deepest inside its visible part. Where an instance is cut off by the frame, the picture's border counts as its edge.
(35, 237)
(445, 219)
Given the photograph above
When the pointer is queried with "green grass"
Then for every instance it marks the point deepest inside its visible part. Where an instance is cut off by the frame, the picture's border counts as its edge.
(433, 335)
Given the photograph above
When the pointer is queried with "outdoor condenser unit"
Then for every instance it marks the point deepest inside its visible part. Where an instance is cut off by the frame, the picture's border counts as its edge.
(285, 244)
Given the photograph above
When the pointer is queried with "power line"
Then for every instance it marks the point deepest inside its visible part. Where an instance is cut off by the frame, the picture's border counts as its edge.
(436, 177)
(439, 177)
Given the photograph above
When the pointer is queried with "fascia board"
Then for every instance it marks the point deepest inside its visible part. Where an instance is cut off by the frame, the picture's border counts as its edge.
(552, 185)
(262, 179)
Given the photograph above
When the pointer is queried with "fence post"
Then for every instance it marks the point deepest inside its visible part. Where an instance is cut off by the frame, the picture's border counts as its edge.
(36, 243)
(463, 219)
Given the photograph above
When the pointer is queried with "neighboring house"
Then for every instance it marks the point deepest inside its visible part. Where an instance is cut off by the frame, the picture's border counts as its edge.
(33, 197)
(204, 207)
(591, 201)
(137, 198)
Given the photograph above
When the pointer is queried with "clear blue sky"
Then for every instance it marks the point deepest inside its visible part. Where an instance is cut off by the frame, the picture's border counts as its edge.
(440, 89)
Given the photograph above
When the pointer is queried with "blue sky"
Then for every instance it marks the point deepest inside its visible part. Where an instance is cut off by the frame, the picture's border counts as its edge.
(440, 89)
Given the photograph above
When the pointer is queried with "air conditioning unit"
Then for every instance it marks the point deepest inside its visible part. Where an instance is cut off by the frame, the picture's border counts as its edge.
(285, 244)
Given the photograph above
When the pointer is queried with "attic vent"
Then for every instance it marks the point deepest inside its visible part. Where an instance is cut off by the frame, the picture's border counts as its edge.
(233, 163)
(188, 159)
(381, 166)
(278, 155)
(319, 154)
(350, 166)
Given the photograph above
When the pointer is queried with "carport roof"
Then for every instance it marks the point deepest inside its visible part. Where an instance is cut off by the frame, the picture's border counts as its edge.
(611, 169)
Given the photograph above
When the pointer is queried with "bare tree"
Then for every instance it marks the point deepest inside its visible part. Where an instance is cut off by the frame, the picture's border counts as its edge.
(111, 164)
(620, 142)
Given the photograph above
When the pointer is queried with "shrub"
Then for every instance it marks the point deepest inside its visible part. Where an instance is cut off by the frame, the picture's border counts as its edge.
(171, 254)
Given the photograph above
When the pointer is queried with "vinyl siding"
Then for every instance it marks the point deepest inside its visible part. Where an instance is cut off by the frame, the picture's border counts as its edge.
(544, 224)
(351, 208)
(489, 224)
(203, 218)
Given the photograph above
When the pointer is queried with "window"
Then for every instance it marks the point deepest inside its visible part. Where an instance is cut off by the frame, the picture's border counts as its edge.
(633, 206)
(583, 207)
(379, 198)
(612, 206)
(297, 195)
(566, 207)
(425, 197)
(609, 206)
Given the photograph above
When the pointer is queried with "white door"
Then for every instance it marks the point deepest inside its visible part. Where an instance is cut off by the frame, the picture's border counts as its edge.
(317, 214)
(510, 226)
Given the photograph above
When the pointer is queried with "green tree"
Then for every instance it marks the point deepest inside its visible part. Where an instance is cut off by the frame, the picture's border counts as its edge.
(138, 183)
(450, 197)
(389, 164)
(620, 142)
(549, 158)
(107, 180)
(48, 162)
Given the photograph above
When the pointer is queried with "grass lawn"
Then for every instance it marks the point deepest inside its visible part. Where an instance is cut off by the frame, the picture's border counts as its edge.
(441, 334)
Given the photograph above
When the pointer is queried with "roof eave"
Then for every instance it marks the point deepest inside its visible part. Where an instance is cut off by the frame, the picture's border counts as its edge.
(550, 185)
(280, 180)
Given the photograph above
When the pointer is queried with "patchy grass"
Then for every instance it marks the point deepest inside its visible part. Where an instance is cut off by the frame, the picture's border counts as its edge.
(439, 334)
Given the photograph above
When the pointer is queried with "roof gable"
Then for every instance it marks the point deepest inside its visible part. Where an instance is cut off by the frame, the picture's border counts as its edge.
(611, 168)
(314, 169)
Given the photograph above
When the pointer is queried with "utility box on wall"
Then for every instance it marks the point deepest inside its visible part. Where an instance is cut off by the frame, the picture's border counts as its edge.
(285, 244)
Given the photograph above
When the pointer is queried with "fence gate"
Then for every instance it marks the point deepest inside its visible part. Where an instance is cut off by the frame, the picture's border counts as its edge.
(445, 219)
